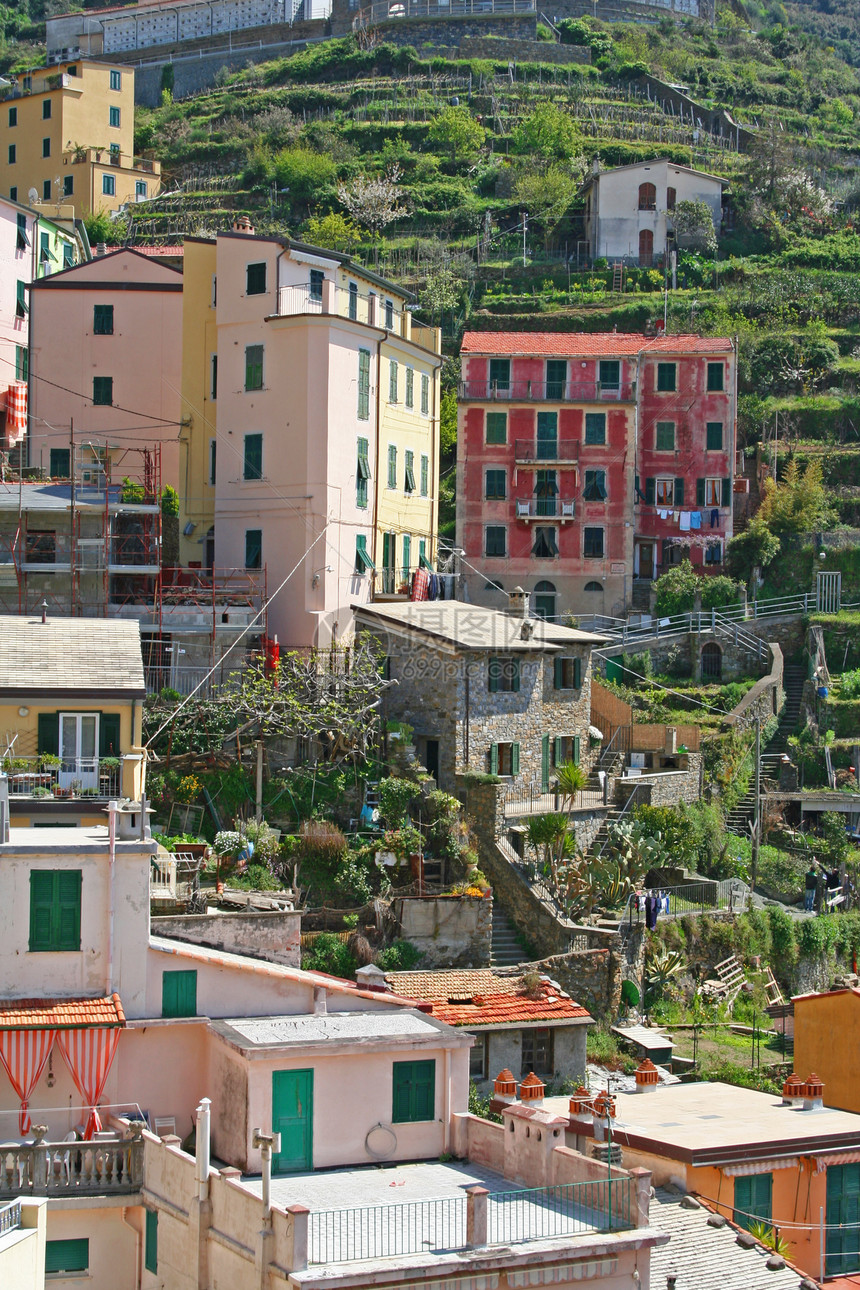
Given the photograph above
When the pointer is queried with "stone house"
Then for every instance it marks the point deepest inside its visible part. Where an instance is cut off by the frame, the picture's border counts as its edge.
(529, 1031)
(484, 691)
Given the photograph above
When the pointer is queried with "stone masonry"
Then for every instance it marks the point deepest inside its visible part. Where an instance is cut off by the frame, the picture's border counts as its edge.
(449, 931)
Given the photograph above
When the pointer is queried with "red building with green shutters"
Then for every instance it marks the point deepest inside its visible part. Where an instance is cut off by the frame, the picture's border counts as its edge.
(588, 463)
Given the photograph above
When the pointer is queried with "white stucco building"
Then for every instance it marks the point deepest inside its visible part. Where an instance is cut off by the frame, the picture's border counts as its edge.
(628, 210)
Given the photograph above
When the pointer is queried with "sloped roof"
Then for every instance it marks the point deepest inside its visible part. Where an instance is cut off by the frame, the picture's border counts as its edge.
(705, 1257)
(60, 1014)
(649, 165)
(599, 344)
(95, 656)
(480, 998)
(473, 627)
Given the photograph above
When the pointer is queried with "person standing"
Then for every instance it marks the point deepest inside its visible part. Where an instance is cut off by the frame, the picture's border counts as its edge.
(811, 885)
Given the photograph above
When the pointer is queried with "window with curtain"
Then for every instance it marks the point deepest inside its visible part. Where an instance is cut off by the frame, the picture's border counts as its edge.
(545, 545)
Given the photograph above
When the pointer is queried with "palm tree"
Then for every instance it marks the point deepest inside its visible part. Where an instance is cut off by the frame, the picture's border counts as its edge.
(570, 780)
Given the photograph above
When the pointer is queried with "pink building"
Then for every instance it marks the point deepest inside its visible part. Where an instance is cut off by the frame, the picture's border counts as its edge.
(587, 462)
(106, 361)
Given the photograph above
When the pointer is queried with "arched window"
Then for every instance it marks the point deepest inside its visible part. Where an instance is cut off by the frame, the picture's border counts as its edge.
(544, 599)
(594, 586)
(712, 662)
(647, 197)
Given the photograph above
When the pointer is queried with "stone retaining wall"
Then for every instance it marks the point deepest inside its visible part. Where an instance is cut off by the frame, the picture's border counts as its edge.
(765, 699)
(522, 51)
(662, 789)
(275, 937)
(449, 931)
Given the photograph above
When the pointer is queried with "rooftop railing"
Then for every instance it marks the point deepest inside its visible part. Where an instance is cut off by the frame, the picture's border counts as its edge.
(441, 1226)
(10, 1217)
(326, 297)
(63, 777)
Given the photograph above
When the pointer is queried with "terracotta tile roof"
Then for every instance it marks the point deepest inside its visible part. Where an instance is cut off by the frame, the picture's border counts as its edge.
(159, 250)
(480, 998)
(605, 344)
(62, 1014)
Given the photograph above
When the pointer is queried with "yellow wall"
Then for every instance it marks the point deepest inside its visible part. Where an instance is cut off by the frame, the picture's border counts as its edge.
(827, 1042)
(80, 117)
(199, 424)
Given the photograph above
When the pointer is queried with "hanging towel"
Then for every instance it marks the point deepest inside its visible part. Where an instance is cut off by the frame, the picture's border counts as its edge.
(432, 587)
(715, 518)
(421, 585)
(685, 521)
(695, 519)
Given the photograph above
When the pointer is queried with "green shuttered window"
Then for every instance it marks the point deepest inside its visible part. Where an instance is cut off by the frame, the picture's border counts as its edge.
(414, 1092)
(150, 1256)
(55, 910)
(67, 1256)
(179, 994)
(363, 384)
(753, 1199)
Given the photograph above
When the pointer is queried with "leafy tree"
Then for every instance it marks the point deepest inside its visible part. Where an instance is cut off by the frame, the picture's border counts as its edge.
(375, 201)
(456, 131)
(334, 232)
(548, 132)
(441, 291)
(800, 503)
(546, 195)
(304, 172)
(694, 226)
(101, 228)
(754, 548)
(448, 422)
(676, 589)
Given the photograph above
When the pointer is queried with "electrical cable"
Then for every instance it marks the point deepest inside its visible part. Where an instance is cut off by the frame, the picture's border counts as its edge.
(132, 411)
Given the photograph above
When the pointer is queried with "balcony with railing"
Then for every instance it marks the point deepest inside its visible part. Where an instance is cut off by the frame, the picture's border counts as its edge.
(23, 85)
(109, 1165)
(50, 777)
(541, 508)
(547, 451)
(527, 391)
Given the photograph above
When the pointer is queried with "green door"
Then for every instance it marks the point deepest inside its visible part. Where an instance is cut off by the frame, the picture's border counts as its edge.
(843, 1218)
(614, 670)
(292, 1117)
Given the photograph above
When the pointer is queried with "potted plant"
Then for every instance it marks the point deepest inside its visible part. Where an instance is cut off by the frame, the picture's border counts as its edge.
(41, 791)
(49, 761)
(108, 769)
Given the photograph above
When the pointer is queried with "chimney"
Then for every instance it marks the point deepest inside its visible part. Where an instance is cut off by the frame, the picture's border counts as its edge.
(792, 1091)
(647, 1076)
(241, 224)
(44, 609)
(532, 1090)
(518, 603)
(101, 249)
(813, 1094)
(580, 1101)
(505, 1087)
(372, 977)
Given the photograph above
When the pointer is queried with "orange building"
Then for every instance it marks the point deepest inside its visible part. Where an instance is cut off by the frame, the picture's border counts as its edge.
(827, 1039)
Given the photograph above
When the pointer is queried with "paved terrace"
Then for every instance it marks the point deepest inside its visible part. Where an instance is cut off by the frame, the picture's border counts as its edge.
(388, 1211)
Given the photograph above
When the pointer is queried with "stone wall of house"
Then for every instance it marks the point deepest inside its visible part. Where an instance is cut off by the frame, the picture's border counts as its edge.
(275, 937)
(447, 697)
(505, 1051)
(450, 931)
(592, 976)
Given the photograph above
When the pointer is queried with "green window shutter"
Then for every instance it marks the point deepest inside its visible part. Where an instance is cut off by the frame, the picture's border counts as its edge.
(392, 465)
(558, 750)
(715, 376)
(515, 759)
(753, 1199)
(544, 764)
(392, 381)
(425, 476)
(425, 394)
(410, 385)
(150, 1257)
(577, 673)
(401, 1100)
(41, 909)
(726, 499)
(649, 490)
(494, 759)
(493, 668)
(67, 910)
(558, 671)
(700, 492)
(48, 737)
(497, 427)
(515, 674)
(67, 1256)
(109, 745)
(179, 994)
(714, 436)
(252, 466)
(424, 1090)
(576, 750)
(364, 384)
(679, 491)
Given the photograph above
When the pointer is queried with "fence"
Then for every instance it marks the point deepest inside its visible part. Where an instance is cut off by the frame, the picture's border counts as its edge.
(526, 801)
(730, 894)
(385, 10)
(71, 1169)
(63, 776)
(10, 1217)
(435, 1226)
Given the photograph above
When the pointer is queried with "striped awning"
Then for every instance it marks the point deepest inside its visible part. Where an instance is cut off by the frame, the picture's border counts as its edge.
(16, 413)
(750, 1167)
(837, 1158)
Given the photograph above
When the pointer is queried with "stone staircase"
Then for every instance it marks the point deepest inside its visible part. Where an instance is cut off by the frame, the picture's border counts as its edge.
(505, 949)
(738, 820)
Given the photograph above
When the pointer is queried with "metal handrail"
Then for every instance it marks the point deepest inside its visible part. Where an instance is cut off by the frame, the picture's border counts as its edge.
(617, 820)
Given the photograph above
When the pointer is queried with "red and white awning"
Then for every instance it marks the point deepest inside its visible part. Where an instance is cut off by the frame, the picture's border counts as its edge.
(87, 1033)
(16, 413)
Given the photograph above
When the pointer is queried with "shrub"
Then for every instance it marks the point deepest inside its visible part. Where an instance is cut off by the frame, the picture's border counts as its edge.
(304, 172)
(330, 954)
(395, 797)
(400, 956)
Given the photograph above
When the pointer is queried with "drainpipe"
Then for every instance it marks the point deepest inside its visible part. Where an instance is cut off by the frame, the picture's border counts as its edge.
(112, 814)
(138, 1242)
(202, 1148)
(373, 539)
(446, 1102)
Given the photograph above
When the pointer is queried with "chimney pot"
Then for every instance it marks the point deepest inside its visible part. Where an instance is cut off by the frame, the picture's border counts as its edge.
(792, 1090)
(578, 1099)
(505, 1085)
(813, 1093)
(532, 1089)
(242, 224)
(647, 1076)
(518, 603)
(372, 977)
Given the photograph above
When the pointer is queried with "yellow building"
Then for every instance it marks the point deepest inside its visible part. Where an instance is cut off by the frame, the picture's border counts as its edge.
(71, 709)
(67, 135)
(310, 422)
(827, 1041)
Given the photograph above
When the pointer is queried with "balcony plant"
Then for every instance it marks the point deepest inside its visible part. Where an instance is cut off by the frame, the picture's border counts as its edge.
(41, 791)
(49, 761)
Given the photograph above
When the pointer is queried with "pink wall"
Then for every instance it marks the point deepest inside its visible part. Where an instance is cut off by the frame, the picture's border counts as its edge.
(15, 266)
(144, 357)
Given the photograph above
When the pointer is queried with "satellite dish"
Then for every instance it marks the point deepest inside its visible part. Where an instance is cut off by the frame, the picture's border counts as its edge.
(33, 196)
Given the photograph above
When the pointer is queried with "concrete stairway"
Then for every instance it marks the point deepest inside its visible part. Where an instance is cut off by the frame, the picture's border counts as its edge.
(505, 949)
(739, 817)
